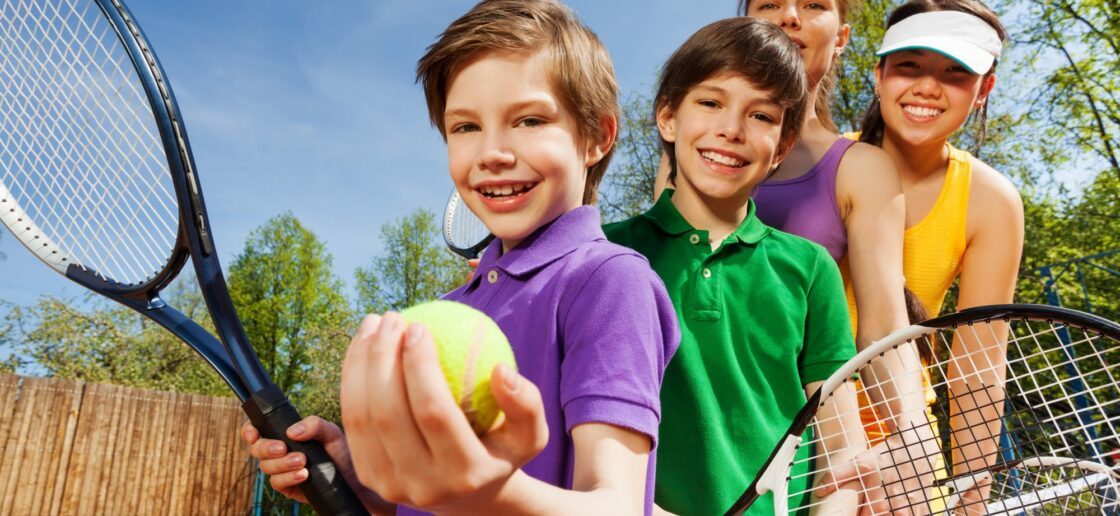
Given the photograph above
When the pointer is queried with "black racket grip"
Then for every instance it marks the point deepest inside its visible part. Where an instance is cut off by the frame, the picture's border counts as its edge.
(270, 411)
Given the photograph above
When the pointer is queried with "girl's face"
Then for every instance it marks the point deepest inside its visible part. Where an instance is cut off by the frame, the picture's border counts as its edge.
(814, 25)
(925, 96)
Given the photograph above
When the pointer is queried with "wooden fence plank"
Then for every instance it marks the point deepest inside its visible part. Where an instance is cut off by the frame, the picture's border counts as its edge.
(75, 448)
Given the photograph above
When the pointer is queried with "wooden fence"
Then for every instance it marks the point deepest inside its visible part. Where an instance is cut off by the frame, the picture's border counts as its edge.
(76, 448)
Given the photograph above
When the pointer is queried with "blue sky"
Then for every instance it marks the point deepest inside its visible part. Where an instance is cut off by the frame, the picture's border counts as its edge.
(310, 107)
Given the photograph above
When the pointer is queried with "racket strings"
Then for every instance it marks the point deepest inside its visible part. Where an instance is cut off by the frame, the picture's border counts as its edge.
(80, 154)
(462, 228)
(1000, 395)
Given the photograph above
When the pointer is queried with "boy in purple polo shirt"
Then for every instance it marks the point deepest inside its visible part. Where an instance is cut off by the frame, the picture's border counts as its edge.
(526, 99)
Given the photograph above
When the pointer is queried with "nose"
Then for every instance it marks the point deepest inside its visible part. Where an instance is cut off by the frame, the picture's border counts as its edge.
(789, 17)
(732, 128)
(927, 86)
(495, 153)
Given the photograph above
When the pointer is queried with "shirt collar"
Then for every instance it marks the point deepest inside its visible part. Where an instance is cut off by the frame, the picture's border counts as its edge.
(547, 244)
(665, 216)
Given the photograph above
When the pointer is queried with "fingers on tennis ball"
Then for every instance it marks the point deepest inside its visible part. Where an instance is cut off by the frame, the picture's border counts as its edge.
(470, 344)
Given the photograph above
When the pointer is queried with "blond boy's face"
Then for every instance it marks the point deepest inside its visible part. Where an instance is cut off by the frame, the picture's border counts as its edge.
(726, 135)
(515, 153)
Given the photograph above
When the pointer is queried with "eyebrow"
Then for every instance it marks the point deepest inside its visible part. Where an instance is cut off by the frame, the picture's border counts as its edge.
(545, 104)
(765, 100)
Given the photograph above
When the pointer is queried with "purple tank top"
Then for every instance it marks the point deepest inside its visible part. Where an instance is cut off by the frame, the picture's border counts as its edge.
(806, 205)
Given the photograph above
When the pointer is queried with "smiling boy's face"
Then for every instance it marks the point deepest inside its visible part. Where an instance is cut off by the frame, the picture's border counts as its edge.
(726, 136)
(515, 152)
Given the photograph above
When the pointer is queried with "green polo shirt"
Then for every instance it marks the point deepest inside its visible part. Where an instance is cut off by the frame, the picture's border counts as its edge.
(761, 317)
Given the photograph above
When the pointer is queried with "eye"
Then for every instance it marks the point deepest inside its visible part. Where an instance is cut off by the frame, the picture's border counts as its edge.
(763, 117)
(464, 128)
(766, 5)
(708, 103)
(817, 6)
(531, 121)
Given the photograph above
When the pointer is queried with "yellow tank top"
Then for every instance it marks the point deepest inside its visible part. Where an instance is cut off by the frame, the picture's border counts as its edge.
(931, 260)
(932, 249)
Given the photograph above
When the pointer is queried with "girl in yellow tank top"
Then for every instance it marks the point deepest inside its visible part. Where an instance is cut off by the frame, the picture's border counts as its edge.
(965, 221)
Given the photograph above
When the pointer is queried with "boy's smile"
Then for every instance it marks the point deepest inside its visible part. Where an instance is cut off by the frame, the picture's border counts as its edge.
(514, 149)
(726, 136)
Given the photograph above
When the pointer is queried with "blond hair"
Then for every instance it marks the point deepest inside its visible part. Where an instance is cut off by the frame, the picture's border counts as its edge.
(582, 75)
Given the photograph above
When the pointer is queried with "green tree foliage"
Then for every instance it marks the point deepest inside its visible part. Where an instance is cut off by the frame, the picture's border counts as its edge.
(855, 78)
(111, 344)
(1078, 42)
(289, 301)
(414, 267)
(627, 188)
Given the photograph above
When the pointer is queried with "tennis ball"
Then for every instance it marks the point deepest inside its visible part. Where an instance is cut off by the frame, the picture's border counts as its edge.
(470, 345)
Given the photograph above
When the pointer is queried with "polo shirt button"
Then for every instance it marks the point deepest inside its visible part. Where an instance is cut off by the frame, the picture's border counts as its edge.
(707, 273)
(694, 238)
(492, 276)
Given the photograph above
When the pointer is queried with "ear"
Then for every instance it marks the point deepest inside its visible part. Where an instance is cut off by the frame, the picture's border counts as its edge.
(842, 37)
(782, 152)
(608, 131)
(986, 86)
(878, 75)
(666, 123)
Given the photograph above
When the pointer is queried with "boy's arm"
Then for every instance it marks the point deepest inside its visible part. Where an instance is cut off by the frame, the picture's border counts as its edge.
(609, 478)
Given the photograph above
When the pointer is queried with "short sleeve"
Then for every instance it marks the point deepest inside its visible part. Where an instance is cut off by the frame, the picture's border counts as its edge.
(619, 332)
(828, 329)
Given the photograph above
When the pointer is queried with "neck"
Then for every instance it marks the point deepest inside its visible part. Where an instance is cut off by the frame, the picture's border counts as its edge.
(719, 217)
(916, 160)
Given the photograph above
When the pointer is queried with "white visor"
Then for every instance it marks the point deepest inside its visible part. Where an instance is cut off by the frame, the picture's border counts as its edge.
(959, 36)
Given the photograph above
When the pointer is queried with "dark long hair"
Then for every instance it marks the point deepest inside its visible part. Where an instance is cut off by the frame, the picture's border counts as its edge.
(873, 125)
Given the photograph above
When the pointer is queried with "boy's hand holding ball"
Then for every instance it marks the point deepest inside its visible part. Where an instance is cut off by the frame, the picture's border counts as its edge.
(407, 382)
(470, 344)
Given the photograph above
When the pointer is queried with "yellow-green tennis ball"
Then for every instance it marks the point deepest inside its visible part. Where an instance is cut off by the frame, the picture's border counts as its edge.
(470, 345)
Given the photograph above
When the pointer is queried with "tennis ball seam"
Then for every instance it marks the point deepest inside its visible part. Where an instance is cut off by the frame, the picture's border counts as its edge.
(466, 394)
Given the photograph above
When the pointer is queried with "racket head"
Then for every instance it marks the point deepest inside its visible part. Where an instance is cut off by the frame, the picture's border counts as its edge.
(96, 174)
(463, 232)
(86, 177)
(1030, 381)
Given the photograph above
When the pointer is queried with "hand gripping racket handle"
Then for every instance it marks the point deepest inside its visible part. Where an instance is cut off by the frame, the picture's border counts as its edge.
(325, 488)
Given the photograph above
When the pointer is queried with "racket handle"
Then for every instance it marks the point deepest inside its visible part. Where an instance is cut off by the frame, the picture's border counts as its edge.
(325, 488)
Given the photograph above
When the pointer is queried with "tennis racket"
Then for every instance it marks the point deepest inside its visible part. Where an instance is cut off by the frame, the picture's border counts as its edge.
(98, 181)
(1023, 409)
(463, 232)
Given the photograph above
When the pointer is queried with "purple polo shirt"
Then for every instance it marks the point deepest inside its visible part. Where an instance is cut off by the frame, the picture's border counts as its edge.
(591, 325)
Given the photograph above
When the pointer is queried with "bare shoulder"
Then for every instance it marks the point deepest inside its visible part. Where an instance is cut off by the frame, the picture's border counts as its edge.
(993, 193)
(994, 204)
(865, 162)
(866, 172)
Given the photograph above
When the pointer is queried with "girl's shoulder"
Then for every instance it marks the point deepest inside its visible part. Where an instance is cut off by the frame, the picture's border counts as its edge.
(993, 202)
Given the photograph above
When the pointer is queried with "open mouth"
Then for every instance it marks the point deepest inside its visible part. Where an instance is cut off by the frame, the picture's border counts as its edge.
(505, 191)
(921, 112)
(722, 159)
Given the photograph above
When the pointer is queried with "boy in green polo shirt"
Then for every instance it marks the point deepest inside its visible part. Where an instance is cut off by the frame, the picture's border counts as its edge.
(762, 313)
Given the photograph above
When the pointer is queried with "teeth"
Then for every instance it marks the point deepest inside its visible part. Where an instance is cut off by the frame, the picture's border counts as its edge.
(922, 112)
(721, 159)
(505, 190)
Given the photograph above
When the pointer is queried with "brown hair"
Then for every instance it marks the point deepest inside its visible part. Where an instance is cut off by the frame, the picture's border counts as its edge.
(580, 67)
(873, 125)
(822, 104)
(758, 50)
(916, 312)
